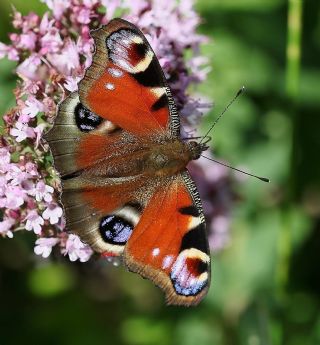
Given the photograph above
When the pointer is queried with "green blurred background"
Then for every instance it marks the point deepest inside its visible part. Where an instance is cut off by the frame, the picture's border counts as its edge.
(266, 283)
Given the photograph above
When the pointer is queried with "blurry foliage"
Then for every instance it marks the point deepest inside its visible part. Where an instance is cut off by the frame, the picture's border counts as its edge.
(266, 285)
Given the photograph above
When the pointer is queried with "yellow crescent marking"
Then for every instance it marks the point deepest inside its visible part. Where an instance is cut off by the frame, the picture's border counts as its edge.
(158, 91)
(142, 65)
(194, 253)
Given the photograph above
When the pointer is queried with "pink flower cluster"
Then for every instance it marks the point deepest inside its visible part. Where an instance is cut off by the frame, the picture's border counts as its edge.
(52, 53)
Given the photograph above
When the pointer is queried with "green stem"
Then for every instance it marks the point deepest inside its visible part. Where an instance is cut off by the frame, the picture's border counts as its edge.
(293, 48)
(284, 252)
(292, 90)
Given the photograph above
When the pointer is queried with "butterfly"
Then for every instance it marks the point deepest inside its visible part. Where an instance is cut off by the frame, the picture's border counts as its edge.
(126, 191)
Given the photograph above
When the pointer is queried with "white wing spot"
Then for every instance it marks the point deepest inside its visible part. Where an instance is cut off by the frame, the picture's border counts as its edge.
(110, 86)
(167, 261)
(115, 72)
(155, 251)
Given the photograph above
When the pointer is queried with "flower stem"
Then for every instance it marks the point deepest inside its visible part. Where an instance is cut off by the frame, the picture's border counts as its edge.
(293, 48)
(292, 89)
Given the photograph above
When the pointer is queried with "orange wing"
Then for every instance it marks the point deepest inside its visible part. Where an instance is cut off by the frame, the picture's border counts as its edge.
(125, 83)
(172, 249)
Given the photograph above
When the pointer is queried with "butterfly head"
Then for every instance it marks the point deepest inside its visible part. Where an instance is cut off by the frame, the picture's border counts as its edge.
(196, 148)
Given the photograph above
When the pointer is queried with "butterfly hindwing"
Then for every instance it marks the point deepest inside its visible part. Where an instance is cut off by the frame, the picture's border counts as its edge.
(106, 232)
(126, 84)
(172, 249)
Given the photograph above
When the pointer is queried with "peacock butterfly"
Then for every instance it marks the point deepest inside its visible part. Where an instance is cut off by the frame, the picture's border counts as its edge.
(125, 187)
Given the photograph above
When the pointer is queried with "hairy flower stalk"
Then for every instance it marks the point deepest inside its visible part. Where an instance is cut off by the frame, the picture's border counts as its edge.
(52, 53)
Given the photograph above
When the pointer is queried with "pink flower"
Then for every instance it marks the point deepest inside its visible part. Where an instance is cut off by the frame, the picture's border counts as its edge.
(85, 46)
(17, 19)
(51, 42)
(58, 6)
(14, 198)
(77, 249)
(90, 3)
(196, 66)
(31, 169)
(84, 16)
(34, 222)
(22, 132)
(213, 172)
(38, 133)
(193, 110)
(4, 159)
(28, 69)
(3, 50)
(30, 22)
(28, 41)
(32, 107)
(43, 192)
(5, 227)
(219, 230)
(53, 212)
(44, 246)
(31, 87)
(135, 6)
(27, 185)
(71, 83)
(67, 60)
(3, 184)
(45, 24)
(111, 7)
(15, 175)
(9, 51)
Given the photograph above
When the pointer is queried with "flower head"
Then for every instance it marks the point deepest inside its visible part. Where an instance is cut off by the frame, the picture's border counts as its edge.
(53, 52)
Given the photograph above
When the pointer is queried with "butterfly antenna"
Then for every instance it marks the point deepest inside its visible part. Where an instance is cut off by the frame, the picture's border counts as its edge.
(264, 179)
(225, 109)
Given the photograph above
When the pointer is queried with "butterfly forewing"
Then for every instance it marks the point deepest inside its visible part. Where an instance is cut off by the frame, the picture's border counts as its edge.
(126, 84)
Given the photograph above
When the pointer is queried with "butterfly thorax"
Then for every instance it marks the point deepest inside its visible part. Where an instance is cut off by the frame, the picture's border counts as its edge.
(170, 158)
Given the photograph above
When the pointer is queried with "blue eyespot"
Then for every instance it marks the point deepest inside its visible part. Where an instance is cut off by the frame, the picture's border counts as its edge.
(115, 229)
(85, 119)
